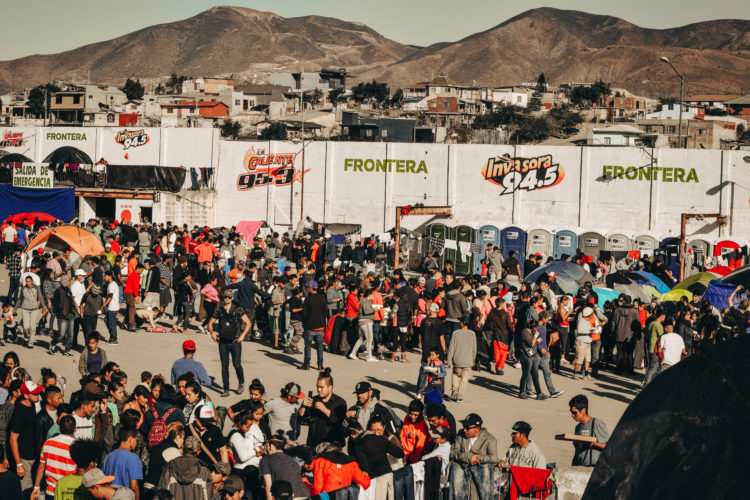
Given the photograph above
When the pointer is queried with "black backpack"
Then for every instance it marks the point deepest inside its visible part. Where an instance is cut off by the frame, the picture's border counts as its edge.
(229, 323)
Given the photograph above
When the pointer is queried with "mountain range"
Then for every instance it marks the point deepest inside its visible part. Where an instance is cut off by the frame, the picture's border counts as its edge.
(565, 45)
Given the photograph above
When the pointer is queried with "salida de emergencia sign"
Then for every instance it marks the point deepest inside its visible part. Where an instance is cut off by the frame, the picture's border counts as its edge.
(33, 175)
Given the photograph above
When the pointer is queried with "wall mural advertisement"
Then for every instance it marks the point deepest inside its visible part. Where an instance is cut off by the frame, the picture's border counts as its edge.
(12, 140)
(131, 138)
(276, 169)
(522, 173)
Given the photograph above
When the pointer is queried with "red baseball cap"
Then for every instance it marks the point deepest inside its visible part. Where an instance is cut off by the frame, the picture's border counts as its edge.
(40, 250)
(30, 387)
(188, 345)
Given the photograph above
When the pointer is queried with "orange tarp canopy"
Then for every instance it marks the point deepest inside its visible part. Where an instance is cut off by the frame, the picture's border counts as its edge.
(79, 240)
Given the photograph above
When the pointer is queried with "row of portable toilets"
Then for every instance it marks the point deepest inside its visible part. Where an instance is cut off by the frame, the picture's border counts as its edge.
(558, 242)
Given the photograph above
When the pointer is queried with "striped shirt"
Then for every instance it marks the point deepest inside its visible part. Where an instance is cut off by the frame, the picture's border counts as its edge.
(56, 460)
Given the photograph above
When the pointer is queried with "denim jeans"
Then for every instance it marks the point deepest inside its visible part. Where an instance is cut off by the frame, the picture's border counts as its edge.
(529, 369)
(596, 348)
(310, 337)
(403, 484)
(544, 365)
(653, 368)
(65, 333)
(235, 349)
(111, 321)
(460, 476)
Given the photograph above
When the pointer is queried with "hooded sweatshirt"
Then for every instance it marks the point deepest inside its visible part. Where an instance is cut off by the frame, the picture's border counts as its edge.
(334, 470)
(186, 478)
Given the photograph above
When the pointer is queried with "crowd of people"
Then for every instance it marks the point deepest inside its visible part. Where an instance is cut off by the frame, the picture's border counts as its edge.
(296, 293)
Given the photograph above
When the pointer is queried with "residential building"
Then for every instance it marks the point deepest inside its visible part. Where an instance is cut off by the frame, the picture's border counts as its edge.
(739, 106)
(14, 105)
(186, 109)
(210, 86)
(671, 111)
(625, 107)
(708, 101)
(376, 129)
(336, 78)
(300, 81)
(67, 106)
(622, 135)
(507, 96)
(272, 99)
(700, 134)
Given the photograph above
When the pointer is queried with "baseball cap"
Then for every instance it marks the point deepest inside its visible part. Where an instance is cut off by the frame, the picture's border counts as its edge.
(312, 284)
(40, 250)
(188, 345)
(65, 280)
(520, 427)
(206, 412)
(422, 280)
(227, 294)
(95, 476)
(30, 387)
(587, 311)
(80, 272)
(434, 307)
(108, 245)
(294, 390)
(192, 444)
(222, 468)
(362, 387)
(537, 254)
(170, 454)
(472, 419)
(232, 484)
(551, 274)
(281, 489)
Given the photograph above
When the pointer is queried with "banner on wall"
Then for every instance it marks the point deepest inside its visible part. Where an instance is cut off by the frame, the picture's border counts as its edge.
(33, 175)
(522, 173)
(274, 169)
(57, 202)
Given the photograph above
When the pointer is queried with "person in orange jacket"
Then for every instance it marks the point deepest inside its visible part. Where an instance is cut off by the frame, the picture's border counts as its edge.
(415, 435)
(333, 470)
(206, 251)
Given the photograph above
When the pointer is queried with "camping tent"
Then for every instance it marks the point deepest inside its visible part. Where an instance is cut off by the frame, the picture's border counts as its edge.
(681, 439)
(717, 294)
(605, 294)
(675, 294)
(720, 270)
(30, 217)
(569, 276)
(739, 276)
(623, 284)
(697, 283)
(80, 241)
(649, 279)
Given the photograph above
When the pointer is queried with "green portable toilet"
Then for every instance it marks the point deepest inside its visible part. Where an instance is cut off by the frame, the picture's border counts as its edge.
(463, 262)
(440, 230)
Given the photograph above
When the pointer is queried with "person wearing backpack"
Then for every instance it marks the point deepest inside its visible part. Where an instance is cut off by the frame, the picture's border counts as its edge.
(228, 328)
(161, 413)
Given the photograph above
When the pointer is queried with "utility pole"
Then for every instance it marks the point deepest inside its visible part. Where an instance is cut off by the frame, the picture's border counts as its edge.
(682, 97)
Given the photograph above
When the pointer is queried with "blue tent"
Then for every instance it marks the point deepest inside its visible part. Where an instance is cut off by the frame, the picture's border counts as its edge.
(654, 281)
(717, 294)
(606, 294)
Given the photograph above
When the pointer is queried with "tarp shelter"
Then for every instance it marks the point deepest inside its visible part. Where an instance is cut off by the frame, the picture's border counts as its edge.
(80, 241)
(30, 217)
(717, 294)
(739, 276)
(58, 202)
(685, 435)
(514, 238)
(720, 270)
(591, 243)
(605, 294)
(486, 235)
(623, 284)
(569, 276)
(15, 158)
(539, 241)
(652, 280)
(69, 155)
(566, 242)
(645, 244)
(248, 230)
(464, 261)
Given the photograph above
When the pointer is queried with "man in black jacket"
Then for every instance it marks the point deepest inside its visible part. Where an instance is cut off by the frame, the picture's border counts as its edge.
(314, 312)
(326, 413)
(47, 416)
(246, 291)
(65, 310)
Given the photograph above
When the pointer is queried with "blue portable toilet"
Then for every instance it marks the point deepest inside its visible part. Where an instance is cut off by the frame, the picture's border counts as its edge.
(565, 242)
(486, 235)
(514, 238)
(669, 253)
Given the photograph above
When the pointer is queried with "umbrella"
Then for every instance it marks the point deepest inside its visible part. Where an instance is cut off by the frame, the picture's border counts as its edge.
(652, 280)
(675, 294)
(685, 435)
(697, 283)
(720, 270)
(30, 216)
(569, 276)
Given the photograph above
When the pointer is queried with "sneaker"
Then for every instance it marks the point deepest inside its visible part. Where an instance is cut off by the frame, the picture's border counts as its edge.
(320, 368)
(51, 350)
(201, 329)
(517, 366)
(453, 395)
(577, 376)
(459, 400)
(500, 372)
(67, 353)
(113, 342)
(372, 360)
(225, 394)
(532, 395)
(523, 395)
(541, 397)
(420, 396)
(352, 356)
(303, 367)
(588, 377)
(556, 394)
(240, 388)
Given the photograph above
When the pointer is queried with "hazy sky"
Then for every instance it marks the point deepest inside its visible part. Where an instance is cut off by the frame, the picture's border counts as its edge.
(50, 26)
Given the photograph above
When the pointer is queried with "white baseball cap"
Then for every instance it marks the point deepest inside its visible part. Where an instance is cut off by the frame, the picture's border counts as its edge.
(80, 272)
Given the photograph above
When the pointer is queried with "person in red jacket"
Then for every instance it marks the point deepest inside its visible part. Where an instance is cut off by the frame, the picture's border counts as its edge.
(333, 470)
(415, 434)
(132, 294)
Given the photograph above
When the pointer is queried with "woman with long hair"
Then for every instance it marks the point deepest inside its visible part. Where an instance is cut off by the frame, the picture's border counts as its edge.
(248, 445)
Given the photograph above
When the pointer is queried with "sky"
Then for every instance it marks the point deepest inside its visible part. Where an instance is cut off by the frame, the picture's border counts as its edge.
(57, 26)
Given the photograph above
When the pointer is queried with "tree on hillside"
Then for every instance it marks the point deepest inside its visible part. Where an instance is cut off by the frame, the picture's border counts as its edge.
(334, 94)
(505, 115)
(565, 120)
(602, 89)
(371, 92)
(536, 97)
(533, 130)
(274, 132)
(133, 89)
(313, 97)
(230, 129)
(35, 100)
(595, 94)
(398, 96)
(174, 84)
